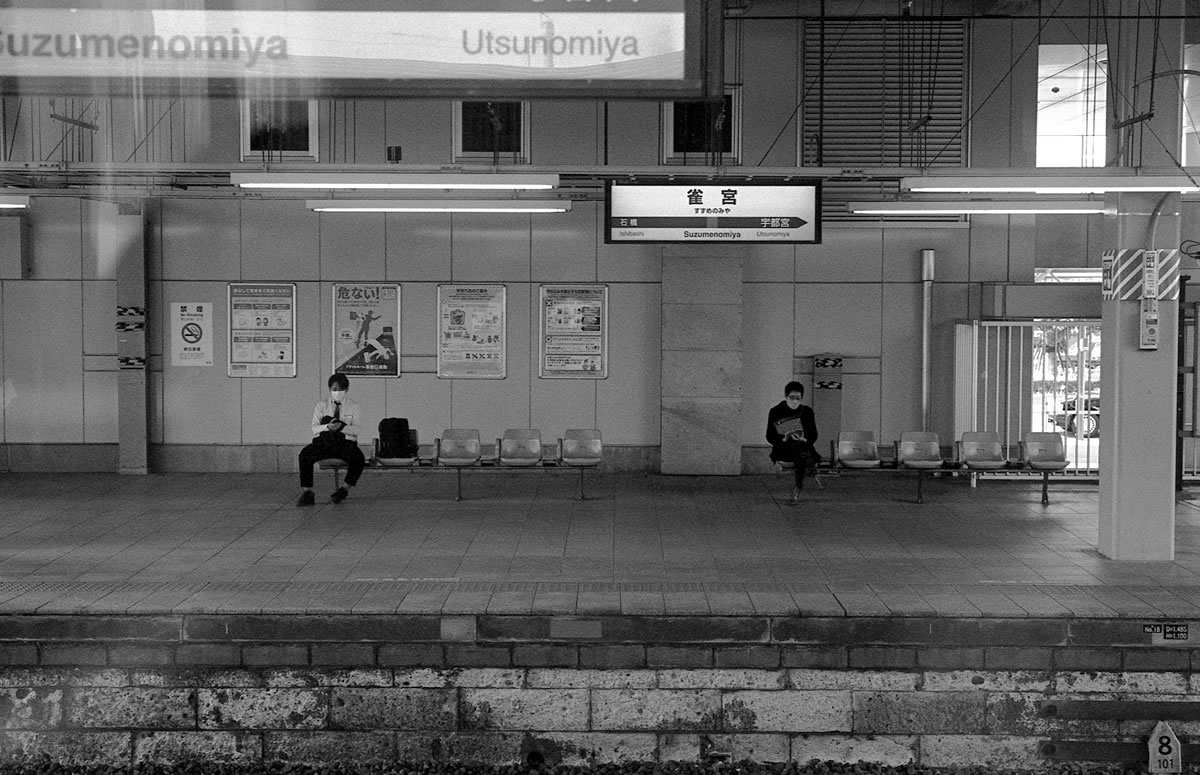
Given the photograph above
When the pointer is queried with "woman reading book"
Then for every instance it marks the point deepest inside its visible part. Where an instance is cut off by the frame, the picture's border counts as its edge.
(792, 431)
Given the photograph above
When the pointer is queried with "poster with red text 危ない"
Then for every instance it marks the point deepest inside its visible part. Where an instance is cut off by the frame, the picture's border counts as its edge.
(366, 329)
(471, 332)
(574, 332)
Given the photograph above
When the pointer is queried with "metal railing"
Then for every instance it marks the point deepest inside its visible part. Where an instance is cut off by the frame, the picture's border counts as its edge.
(1014, 377)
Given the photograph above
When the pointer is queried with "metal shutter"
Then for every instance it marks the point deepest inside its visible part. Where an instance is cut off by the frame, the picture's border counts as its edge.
(882, 94)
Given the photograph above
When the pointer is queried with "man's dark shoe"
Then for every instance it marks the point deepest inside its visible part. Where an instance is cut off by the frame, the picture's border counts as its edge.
(339, 495)
(306, 498)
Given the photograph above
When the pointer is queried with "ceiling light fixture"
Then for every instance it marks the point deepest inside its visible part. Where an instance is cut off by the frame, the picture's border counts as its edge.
(439, 206)
(931, 207)
(1049, 184)
(394, 180)
(13, 202)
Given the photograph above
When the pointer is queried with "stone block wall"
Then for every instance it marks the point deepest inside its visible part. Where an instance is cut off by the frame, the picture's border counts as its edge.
(125, 689)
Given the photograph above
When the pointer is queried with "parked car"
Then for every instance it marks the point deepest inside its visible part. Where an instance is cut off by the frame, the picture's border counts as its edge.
(1088, 419)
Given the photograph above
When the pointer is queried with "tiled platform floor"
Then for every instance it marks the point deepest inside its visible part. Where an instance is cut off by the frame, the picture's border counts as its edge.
(520, 543)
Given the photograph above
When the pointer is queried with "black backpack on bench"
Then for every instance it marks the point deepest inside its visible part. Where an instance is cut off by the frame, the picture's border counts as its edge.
(396, 439)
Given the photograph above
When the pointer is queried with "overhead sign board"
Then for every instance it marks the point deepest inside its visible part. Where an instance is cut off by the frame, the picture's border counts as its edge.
(713, 212)
(463, 48)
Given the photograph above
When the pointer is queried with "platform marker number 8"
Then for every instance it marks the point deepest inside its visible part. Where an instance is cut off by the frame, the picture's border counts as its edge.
(1164, 749)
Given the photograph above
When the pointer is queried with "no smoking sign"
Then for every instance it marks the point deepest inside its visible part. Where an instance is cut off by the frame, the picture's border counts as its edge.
(190, 345)
(192, 333)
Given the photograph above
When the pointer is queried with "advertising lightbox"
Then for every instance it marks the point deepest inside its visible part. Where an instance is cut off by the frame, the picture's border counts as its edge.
(460, 48)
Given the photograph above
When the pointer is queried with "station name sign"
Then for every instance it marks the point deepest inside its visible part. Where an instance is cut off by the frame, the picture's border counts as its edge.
(714, 211)
(452, 47)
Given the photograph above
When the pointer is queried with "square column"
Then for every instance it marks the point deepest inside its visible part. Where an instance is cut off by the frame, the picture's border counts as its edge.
(701, 361)
(1138, 388)
(1137, 435)
(125, 232)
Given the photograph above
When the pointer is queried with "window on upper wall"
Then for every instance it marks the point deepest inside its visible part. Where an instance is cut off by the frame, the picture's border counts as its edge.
(494, 131)
(1072, 99)
(279, 130)
(703, 132)
(1191, 106)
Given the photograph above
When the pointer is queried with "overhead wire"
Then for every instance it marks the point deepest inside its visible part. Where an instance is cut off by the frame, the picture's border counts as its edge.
(1004, 78)
(1085, 94)
(907, 85)
(1091, 100)
(934, 69)
(1139, 153)
(1157, 41)
(827, 56)
(1180, 75)
(1114, 54)
(921, 34)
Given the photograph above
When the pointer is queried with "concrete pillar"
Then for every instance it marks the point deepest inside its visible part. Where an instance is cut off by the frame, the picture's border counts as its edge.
(1137, 405)
(701, 360)
(127, 235)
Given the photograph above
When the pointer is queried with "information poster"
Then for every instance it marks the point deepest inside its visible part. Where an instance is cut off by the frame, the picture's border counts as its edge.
(191, 333)
(471, 332)
(262, 330)
(574, 332)
(366, 327)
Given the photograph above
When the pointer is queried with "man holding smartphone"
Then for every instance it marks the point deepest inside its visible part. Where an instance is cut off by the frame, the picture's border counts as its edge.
(335, 434)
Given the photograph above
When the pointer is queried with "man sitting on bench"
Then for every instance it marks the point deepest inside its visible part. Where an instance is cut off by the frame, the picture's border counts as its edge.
(792, 432)
(335, 434)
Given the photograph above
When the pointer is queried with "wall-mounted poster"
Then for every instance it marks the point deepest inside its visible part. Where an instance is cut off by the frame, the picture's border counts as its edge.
(262, 330)
(366, 329)
(574, 332)
(471, 332)
(191, 333)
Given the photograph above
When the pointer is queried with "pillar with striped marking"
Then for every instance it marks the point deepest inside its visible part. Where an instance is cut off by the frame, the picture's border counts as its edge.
(1137, 408)
(1137, 396)
(133, 430)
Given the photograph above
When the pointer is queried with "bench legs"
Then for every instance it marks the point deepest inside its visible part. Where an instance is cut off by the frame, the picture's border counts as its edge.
(1045, 487)
(920, 478)
(458, 477)
(337, 472)
(581, 495)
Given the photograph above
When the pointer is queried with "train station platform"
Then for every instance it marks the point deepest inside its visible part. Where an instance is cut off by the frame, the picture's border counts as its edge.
(205, 616)
(519, 543)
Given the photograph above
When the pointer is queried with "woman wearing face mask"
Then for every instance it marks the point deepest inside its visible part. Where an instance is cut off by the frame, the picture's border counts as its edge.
(335, 434)
(792, 431)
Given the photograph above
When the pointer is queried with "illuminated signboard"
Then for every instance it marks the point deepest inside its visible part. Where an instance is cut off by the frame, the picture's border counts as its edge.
(461, 48)
(713, 212)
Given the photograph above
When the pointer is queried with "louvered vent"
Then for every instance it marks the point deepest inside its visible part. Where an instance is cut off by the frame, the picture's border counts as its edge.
(881, 94)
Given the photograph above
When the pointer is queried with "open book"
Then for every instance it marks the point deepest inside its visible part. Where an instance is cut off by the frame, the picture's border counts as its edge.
(789, 425)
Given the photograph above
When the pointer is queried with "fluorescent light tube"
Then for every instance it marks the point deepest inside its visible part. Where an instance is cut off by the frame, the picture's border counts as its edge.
(930, 207)
(394, 180)
(439, 206)
(13, 202)
(1057, 184)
